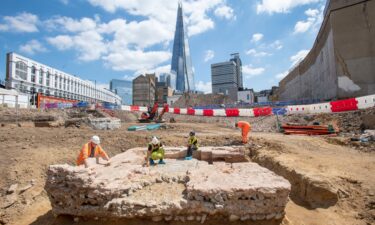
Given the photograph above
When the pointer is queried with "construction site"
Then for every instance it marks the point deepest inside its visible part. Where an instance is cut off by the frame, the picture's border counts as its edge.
(74, 153)
(276, 178)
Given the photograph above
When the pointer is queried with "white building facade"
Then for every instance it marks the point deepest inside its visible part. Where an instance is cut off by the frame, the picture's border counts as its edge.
(29, 76)
(246, 96)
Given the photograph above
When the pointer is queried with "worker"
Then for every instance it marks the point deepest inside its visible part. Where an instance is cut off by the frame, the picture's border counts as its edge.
(92, 149)
(245, 127)
(155, 151)
(192, 145)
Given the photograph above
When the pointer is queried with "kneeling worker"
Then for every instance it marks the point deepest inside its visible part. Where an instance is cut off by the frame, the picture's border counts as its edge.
(155, 151)
(92, 149)
(192, 145)
(245, 127)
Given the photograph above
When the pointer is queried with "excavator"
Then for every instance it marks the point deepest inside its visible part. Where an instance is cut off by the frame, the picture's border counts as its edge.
(152, 115)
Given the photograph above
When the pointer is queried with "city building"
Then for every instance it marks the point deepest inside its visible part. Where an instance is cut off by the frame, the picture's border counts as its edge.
(144, 90)
(29, 76)
(236, 58)
(122, 88)
(169, 79)
(181, 60)
(224, 79)
(163, 91)
(245, 96)
(341, 62)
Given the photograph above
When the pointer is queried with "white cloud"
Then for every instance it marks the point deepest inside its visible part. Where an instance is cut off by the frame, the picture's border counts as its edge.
(135, 60)
(196, 12)
(209, 55)
(315, 18)
(206, 87)
(297, 58)
(249, 71)
(32, 47)
(124, 45)
(276, 45)
(158, 70)
(89, 44)
(225, 12)
(68, 24)
(23, 22)
(61, 42)
(281, 6)
(255, 53)
(257, 37)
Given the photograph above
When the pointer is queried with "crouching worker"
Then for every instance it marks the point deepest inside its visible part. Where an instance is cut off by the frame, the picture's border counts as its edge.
(92, 149)
(245, 128)
(192, 145)
(155, 151)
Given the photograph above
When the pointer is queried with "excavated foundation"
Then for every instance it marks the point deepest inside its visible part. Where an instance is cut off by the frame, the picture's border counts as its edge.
(179, 190)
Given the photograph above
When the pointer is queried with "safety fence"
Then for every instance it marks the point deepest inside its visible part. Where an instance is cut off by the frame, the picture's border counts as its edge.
(327, 107)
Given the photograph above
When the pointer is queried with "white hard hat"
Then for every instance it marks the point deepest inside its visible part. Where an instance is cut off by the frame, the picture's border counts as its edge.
(155, 141)
(95, 139)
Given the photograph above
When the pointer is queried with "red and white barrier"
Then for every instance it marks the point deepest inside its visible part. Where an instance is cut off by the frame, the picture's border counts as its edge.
(328, 107)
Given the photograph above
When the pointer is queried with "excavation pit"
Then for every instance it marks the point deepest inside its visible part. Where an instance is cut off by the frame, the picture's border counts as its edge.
(200, 189)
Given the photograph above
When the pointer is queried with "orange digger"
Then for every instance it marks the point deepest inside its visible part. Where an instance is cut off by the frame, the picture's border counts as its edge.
(153, 115)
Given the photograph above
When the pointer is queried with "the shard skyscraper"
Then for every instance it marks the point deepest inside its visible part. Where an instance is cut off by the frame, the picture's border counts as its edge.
(181, 60)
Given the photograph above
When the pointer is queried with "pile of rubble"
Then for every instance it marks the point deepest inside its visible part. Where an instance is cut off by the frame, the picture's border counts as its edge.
(180, 190)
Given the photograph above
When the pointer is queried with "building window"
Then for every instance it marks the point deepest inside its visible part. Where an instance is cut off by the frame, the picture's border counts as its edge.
(60, 83)
(56, 80)
(33, 74)
(21, 70)
(40, 76)
(48, 78)
(64, 85)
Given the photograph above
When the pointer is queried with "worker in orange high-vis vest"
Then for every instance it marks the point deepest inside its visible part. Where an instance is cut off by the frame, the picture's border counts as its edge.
(92, 149)
(245, 127)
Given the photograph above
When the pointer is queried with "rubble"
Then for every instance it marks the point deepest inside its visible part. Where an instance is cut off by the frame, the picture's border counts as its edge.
(104, 123)
(180, 190)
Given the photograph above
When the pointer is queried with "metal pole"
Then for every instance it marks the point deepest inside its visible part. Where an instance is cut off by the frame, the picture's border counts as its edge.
(95, 92)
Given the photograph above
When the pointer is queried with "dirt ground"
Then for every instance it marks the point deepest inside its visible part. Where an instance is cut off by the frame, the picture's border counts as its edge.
(331, 183)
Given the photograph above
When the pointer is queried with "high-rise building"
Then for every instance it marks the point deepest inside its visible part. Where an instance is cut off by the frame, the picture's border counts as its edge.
(181, 60)
(237, 60)
(224, 79)
(122, 88)
(227, 77)
(144, 90)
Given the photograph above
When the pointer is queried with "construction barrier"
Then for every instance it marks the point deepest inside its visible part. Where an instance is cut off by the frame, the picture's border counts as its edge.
(328, 107)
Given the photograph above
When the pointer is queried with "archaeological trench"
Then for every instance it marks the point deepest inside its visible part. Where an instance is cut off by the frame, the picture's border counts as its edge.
(219, 183)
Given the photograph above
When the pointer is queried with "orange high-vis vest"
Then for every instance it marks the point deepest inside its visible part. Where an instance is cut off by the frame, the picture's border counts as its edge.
(244, 125)
(86, 152)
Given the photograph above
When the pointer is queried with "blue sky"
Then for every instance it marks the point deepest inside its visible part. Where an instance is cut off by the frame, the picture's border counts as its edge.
(105, 39)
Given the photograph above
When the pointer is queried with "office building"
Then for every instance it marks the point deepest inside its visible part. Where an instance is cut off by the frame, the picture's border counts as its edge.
(236, 58)
(29, 76)
(124, 89)
(181, 61)
(224, 79)
(144, 90)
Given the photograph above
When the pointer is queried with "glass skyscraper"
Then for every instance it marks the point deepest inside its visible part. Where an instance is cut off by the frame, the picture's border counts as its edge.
(181, 60)
(124, 89)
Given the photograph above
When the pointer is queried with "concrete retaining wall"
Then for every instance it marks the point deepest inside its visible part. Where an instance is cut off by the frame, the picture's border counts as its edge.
(341, 63)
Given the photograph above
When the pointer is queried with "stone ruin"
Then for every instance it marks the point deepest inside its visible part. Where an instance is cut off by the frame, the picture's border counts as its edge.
(219, 183)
